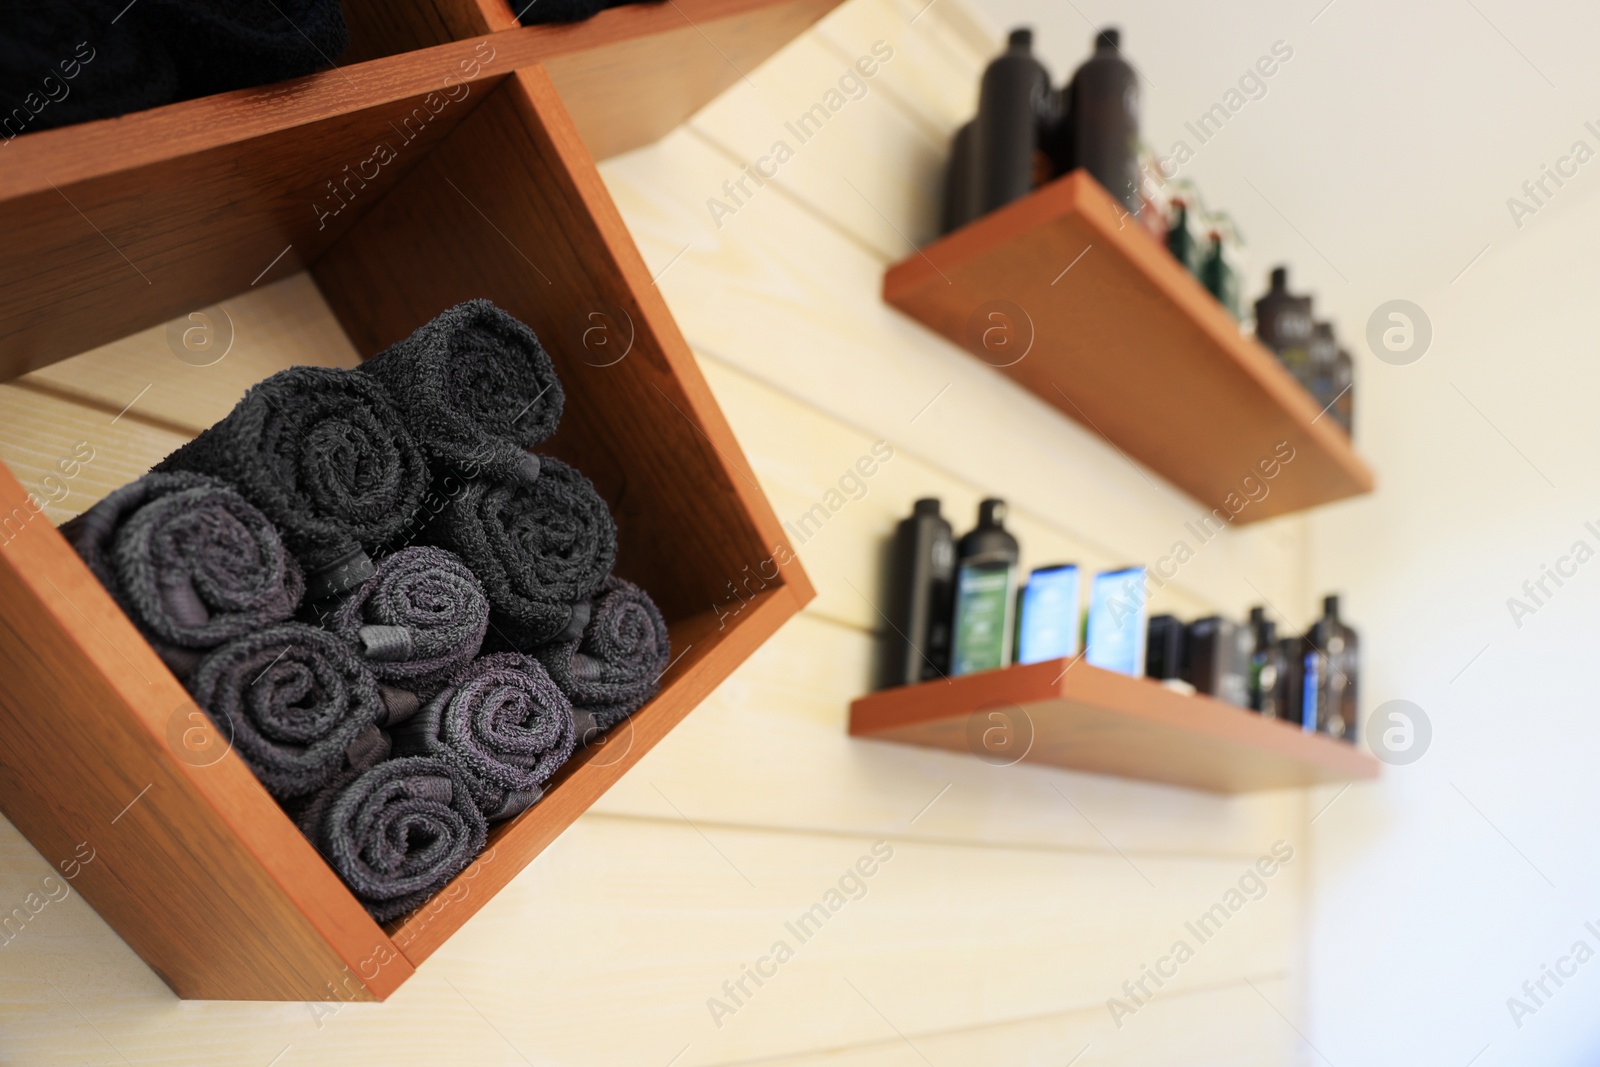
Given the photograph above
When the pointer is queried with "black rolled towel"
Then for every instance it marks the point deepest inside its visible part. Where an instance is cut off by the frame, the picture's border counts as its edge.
(398, 832)
(325, 455)
(534, 12)
(477, 389)
(616, 667)
(218, 46)
(63, 63)
(540, 549)
(418, 620)
(504, 724)
(297, 701)
(191, 561)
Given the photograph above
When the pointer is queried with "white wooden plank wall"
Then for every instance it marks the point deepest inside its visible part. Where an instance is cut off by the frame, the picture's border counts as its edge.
(1017, 900)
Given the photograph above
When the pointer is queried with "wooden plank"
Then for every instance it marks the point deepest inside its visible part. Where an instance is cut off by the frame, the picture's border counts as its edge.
(1065, 713)
(1130, 345)
(196, 867)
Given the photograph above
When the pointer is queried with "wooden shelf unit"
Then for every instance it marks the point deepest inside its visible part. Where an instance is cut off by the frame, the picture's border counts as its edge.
(1065, 294)
(1065, 713)
(117, 226)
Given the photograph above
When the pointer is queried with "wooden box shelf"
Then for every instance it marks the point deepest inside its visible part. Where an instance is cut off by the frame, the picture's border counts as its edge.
(112, 230)
(1065, 294)
(1065, 713)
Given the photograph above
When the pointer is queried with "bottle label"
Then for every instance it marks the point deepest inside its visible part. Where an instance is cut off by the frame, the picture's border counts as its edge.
(983, 618)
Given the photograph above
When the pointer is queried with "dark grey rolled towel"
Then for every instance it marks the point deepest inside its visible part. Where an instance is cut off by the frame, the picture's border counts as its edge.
(504, 724)
(540, 549)
(418, 620)
(325, 455)
(477, 389)
(191, 561)
(218, 46)
(398, 832)
(616, 667)
(298, 702)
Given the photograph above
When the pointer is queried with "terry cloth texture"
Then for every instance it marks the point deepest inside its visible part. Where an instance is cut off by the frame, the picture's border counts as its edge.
(504, 724)
(298, 703)
(63, 63)
(418, 620)
(218, 45)
(324, 454)
(533, 12)
(398, 832)
(616, 667)
(190, 561)
(540, 549)
(477, 389)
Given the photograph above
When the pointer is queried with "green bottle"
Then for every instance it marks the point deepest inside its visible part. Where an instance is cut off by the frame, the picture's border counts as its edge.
(1218, 276)
(986, 594)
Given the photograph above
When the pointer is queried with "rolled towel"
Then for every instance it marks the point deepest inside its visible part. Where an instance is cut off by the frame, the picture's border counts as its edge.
(616, 667)
(191, 561)
(535, 12)
(418, 620)
(504, 724)
(298, 702)
(541, 550)
(329, 460)
(398, 833)
(477, 389)
(219, 46)
(63, 63)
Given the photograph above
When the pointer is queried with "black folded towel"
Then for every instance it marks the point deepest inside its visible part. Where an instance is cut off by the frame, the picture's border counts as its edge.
(298, 702)
(534, 12)
(616, 667)
(418, 620)
(540, 549)
(219, 45)
(327, 457)
(504, 724)
(62, 63)
(397, 833)
(190, 561)
(477, 389)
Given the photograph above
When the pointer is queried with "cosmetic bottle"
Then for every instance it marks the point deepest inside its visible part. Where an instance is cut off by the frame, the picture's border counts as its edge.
(1048, 615)
(921, 587)
(1055, 131)
(1116, 632)
(1105, 120)
(1322, 357)
(1219, 659)
(959, 206)
(1218, 275)
(1283, 324)
(1331, 653)
(1181, 240)
(1344, 404)
(1012, 100)
(1164, 648)
(1266, 664)
(985, 598)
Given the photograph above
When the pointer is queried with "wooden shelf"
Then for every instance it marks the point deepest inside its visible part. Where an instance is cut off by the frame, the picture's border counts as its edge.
(1068, 714)
(1102, 323)
(495, 197)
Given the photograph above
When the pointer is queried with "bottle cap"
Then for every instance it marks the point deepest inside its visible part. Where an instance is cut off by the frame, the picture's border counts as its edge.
(1110, 37)
(1258, 614)
(1330, 606)
(1280, 279)
(992, 512)
(1021, 37)
(928, 505)
(1324, 329)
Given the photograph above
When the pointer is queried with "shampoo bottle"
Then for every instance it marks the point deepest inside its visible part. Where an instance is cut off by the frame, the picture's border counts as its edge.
(1013, 100)
(1105, 120)
(1322, 364)
(1333, 650)
(960, 207)
(1266, 664)
(1218, 275)
(1283, 324)
(1344, 404)
(985, 599)
(921, 588)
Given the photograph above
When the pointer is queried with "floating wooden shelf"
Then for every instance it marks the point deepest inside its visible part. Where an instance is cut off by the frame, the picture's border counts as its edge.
(1069, 714)
(1064, 293)
(175, 209)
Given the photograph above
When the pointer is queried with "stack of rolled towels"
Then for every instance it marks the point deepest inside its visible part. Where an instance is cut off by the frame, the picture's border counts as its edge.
(405, 620)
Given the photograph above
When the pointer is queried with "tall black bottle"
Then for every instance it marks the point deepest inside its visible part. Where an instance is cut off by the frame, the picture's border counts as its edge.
(1332, 670)
(1267, 666)
(1012, 102)
(1283, 325)
(921, 586)
(960, 183)
(1105, 120)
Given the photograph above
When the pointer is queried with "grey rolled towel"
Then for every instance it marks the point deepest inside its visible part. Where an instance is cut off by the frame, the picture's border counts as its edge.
(504, 724)
(541, 549)
(398, 832)
(326, 456)
(615, 667)
(297, 701)
(477, 389)
(418, 620)
(190, 561)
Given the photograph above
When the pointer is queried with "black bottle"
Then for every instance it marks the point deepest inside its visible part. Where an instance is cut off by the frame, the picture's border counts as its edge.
(921, 584)
(1331, 654)
(1322, 359)
(1218, 659)
(1344, 391)
(1014, 97)
(1218, 276)
(960, 206)
(1288, 696)
(1283, 324)
(1267, 666)
(1055, 135)
(1105, 120)
(1164, 648)
(986, 594)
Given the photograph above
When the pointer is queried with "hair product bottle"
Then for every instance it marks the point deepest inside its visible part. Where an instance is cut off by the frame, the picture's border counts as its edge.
(1012, 100)
(960, 206)
(921, 586)
(985, 600)
(1164, 648)
(1283, 324)
(1266, 664)
(1332, 649)
(1181, 240)
(1344, 390)
(1218, 275)
(1322, 364)
(1105, 119)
